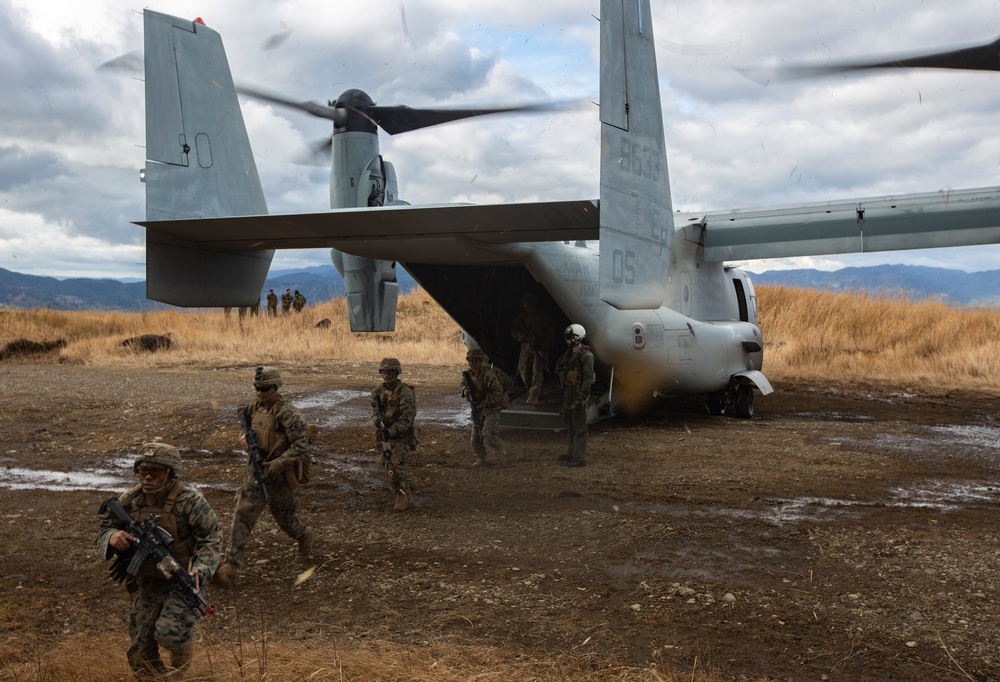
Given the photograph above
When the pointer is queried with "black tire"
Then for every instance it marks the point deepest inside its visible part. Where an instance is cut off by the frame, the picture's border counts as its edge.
(744, 402)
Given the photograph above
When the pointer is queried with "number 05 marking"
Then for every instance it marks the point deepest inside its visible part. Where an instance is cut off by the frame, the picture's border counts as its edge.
(623, 266)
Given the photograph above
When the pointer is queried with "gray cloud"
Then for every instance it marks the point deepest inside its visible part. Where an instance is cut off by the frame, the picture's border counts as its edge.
(71, 139)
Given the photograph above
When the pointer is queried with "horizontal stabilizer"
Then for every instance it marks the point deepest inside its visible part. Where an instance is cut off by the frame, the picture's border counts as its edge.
(888, 223)
(189, 276)
(491, 224)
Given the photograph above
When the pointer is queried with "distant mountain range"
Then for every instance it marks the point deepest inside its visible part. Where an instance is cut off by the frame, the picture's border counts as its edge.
(317, 284)
(978, 289)
(323, 282)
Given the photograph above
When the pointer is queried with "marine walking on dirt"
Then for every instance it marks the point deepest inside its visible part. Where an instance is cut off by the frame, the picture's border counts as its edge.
(281, 436)
(484, 390)
(576, 374)
(394, 411)
(166, 542)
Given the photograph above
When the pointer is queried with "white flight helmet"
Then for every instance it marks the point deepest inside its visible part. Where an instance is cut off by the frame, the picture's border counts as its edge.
(575, 333)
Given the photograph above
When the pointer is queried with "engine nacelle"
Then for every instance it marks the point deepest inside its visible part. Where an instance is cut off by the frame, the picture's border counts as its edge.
(371, 289)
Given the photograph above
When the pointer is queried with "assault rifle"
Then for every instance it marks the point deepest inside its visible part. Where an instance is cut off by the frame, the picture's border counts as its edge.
(152, 541)
(383, 437)
(470, 391)
(256, 461)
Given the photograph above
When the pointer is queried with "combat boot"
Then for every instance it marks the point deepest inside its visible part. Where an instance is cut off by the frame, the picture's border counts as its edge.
(225, 577)
(305, 545)
(180, 662)
(479, 461)
(403, 502)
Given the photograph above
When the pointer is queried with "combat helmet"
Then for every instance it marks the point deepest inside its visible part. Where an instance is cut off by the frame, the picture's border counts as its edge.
(159, 453)
(390, 364)
(575, 333)
(476, 354)
(266, 376)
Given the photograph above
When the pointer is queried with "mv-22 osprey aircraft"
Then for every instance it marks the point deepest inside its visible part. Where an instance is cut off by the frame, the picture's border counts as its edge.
(664, 314)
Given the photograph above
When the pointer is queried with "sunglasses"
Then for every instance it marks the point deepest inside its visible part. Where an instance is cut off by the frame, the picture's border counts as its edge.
(152, 473)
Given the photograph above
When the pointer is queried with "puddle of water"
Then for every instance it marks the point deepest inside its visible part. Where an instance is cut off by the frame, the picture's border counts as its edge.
(836, 416)
(16, 478)
(352, 407)
(939, 495)
(968, 434)
(946, 495)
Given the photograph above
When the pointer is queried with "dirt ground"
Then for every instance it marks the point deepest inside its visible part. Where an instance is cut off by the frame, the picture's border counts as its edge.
(844, 533)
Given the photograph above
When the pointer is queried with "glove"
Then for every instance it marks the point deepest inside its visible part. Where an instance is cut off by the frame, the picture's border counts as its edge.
(274, 468)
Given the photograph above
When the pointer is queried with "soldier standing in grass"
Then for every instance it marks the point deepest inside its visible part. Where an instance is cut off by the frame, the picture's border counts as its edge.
(286, 302)
(482, 387)
(576, 374)
(298, 302)
(394, 410)
(283, 438)
(272, 304)
(159, 618)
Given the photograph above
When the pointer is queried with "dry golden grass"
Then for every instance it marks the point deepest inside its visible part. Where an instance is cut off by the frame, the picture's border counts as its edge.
(809, 336)
(424, 335)
(812, 335)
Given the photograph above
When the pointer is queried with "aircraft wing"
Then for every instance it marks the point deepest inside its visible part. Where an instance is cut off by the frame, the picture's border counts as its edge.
(889, 223)
(489, 224)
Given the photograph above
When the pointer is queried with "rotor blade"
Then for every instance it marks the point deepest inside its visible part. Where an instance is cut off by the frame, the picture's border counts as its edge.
(401, 118)
(317, 153)
(314, 108)
(977, 58)
(130, 62)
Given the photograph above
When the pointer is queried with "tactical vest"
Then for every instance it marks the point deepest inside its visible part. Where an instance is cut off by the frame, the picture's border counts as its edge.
(571, 375)
(481, 394)
(182, 547)
(389, 401)
(264, 423)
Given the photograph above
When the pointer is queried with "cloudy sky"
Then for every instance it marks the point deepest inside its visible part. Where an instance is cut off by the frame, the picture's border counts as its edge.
(71, 136)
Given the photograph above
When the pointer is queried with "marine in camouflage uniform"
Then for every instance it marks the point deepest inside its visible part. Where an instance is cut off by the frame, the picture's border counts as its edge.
(272, 303)
(482, 387)
(576, 374)
(283, 439)
(398, 407)
(286, 302)
(298, 302)
(159, 619)
(535, 334)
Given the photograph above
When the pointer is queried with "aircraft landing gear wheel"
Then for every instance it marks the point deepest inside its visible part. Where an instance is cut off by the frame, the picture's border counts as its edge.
(744, 402)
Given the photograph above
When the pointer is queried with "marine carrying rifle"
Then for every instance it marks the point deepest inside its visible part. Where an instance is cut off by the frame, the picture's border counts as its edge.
(151, 540)
(383, 437)
(470, 390)
(256, 461)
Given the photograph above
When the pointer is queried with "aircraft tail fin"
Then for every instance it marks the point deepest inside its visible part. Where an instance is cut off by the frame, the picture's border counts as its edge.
(198, 164)
(637, 225)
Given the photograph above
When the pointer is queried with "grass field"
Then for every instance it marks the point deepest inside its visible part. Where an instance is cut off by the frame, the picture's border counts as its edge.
(809, 335)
